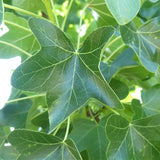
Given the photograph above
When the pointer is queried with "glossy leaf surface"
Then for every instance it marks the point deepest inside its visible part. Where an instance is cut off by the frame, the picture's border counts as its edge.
(68, 76)
(123, 11)
(36, 145)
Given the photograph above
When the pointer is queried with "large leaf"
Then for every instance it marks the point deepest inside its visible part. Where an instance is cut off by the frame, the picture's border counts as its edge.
(144, 41)
(15, 114)
(151, 100)
(19, 41)
(36, 145)
(1, 12)
(137, 140)
(123, 11)
(93, 137)
(68, 76)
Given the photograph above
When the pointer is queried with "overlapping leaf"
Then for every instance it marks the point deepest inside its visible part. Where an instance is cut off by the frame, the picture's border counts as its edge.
(19, 41)
(151, 100)
(137, 140)
(15, 114)
(123, 11)
(144, 41)
(93, 137)
(68, 76)
(36, 145)
(1, 12)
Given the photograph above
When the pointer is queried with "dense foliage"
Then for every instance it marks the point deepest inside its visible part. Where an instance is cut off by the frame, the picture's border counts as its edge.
(72, 95)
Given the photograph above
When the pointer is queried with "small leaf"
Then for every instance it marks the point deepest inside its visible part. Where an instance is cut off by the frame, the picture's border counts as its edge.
(123, 11)
(36, 145)
(133, 140)
(92, 138)
(1, 12)
(69, 77)
(144, 41)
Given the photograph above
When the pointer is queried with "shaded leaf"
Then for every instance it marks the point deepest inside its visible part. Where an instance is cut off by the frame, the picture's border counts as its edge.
(93, 137)
(15, 114)
(123, 11)
(133, 140)
(144, 41)
(19, 41)
(36, 145)
(69, 77)
(120, 88)
(125, 59)
(8, 153)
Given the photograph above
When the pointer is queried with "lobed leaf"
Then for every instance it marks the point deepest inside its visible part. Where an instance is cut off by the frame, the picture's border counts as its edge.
(144, 41)
(36, 145)
(69, 77)
(133, 140)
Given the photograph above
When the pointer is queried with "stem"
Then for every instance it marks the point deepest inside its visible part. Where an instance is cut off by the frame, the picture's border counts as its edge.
(57, 129)
(49, 9)
(21, 10)
(91, 114)
(115, 51)
(67, 130)
(114, 40)
(66, 16)
(54, 13)
(24, 98)
(80, 24)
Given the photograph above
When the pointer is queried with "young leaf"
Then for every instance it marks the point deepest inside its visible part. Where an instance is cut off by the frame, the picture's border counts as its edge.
(19, 41)
(93, 137)
(1, 11)
(144, 41)
(36, 145)
(137, 140)
(123, 11)
(68, 76)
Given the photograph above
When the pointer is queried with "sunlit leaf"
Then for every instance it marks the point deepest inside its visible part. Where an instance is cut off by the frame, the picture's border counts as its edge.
(123, 11)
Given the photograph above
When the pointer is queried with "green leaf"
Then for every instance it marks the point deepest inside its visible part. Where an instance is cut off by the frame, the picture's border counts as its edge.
(8, 153)
(151, 100)
(90, 136)
(1, 11)
(144, 41)
(137, 140)
(123, 11)
(36, 145)
(125, 59)
(15, 114)
(68, 76)
(120, 88)
(29, 5)
(101, 9)
(19, 41)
